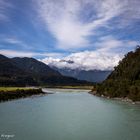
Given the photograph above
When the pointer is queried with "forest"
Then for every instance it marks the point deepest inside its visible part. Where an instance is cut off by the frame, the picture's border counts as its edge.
(124, 81)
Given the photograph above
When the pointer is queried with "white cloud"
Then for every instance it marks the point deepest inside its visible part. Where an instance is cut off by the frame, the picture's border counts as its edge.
(13, 53)
(103, 58)
(62, 18)
(86, 60)
(109, 43)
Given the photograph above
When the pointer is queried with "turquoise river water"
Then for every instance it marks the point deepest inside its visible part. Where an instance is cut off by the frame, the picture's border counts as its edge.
(69, 115)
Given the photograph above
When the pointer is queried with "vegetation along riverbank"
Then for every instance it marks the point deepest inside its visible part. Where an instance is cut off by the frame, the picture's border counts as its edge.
(124, 81)
(71, 87)
(10, 93)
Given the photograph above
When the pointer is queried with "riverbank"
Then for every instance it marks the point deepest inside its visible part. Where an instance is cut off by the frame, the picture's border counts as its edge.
(10, 93)
(126, 99)
(71, 87)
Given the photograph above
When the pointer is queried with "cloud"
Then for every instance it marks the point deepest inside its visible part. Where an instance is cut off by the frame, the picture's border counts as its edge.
(111, 44)
(105, 57)
(14, 53)
(86, 60)
(52, 54)
(5, 5)
(71, 22)
(14, 41)
(11, 40)
(60, 17)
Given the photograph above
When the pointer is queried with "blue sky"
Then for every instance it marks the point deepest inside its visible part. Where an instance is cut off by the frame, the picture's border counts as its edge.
(94, 34)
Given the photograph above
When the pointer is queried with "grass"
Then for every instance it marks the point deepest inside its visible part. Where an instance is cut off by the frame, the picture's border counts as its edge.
(14, 88)
(10, 93)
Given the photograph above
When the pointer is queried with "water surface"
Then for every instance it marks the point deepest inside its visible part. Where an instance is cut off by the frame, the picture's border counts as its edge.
(69, 115)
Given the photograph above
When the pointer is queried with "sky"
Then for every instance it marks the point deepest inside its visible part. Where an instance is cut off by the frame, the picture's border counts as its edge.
(75, 34)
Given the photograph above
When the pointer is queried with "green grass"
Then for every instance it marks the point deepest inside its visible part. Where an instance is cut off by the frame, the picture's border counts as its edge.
(10, 93)
(14, 88)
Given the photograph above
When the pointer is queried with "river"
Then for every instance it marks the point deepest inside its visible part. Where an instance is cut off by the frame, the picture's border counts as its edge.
(69, 115)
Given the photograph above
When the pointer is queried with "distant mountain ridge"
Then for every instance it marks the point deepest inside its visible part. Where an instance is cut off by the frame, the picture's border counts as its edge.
(34, 66)
(89, 75)
(29, 71)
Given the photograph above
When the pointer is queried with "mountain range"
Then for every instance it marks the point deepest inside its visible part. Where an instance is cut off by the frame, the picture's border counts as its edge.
(29, 71)
(96, 76)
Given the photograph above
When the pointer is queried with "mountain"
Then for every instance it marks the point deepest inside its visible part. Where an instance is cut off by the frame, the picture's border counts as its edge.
(5, 64)
(90, 75)
(10, 74)
(34, 66)
(29, 71)
(124, 81)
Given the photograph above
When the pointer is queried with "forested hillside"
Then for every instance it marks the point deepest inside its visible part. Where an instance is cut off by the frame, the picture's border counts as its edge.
(124, 81)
